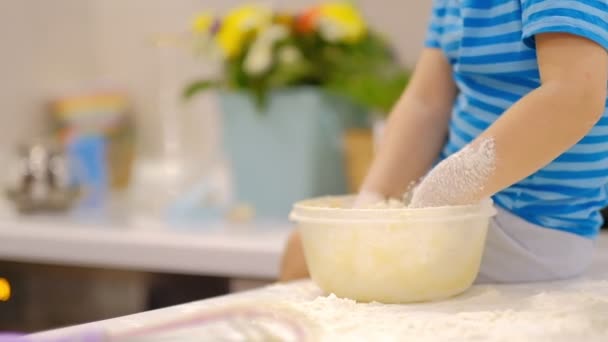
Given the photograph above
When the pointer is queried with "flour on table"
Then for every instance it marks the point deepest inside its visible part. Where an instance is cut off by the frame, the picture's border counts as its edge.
(483, 314)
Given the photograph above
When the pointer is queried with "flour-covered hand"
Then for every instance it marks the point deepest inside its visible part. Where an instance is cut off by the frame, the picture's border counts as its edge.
(458, 180)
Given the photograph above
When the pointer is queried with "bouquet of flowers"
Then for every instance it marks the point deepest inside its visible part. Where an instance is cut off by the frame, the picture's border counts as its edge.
(328, 46)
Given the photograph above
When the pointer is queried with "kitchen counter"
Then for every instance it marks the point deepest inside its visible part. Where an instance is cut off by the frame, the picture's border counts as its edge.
(575, 310)
(250, 250)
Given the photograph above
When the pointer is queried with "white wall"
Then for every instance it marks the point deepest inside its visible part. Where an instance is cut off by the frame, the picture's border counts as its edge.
(47, 44)
(44, 44)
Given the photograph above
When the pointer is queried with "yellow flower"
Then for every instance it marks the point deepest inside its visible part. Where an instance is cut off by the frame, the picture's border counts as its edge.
(239, 24)
(340, 20)
(203, 23)
(284, 19)
(230, 41)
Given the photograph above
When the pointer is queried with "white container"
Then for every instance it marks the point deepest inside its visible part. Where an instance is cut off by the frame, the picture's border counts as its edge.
(392, 255)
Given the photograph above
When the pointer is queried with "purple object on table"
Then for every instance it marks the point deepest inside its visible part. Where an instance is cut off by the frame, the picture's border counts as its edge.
(11, 337)
(88, 334)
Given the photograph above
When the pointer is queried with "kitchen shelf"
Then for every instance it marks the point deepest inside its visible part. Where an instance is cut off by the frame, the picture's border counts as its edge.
(219, 249)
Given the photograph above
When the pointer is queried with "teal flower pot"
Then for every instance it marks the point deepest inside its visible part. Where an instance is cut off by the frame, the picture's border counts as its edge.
(289, 151)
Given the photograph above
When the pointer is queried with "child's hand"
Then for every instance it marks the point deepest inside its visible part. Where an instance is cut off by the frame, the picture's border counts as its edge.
(367, 199)
(459, 179)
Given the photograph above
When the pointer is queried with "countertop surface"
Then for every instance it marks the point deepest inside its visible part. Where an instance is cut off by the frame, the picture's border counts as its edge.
(574, 310)
(250, 250)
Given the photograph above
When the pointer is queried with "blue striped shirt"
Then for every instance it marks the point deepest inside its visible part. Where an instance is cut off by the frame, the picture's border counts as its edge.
(490, 45)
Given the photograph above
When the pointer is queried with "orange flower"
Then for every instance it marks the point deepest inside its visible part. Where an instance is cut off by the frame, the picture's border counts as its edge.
(336, 21)
(307, 21)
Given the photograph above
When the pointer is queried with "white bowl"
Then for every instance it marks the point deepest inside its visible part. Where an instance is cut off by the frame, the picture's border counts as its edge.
(392, 255)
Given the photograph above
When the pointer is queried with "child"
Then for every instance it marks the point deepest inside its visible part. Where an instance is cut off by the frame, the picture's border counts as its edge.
(510, 95)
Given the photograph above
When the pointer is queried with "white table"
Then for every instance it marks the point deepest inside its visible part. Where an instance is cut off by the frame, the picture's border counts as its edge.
(243, 251)
(575, 310)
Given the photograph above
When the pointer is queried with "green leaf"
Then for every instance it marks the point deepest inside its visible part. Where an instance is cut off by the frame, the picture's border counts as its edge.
(260, 98)
(199, 86)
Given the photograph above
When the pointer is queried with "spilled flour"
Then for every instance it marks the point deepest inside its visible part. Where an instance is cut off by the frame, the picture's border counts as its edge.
(485, 313)
(458, 179)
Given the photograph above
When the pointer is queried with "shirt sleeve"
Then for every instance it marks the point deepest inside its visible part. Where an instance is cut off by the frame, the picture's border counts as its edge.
(585, 18)
(435, 27)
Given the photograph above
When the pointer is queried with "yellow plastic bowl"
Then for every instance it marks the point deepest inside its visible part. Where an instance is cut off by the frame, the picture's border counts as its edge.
(392, 255)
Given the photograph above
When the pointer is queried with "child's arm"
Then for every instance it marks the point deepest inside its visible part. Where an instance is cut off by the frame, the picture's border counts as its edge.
(533, 132)
(416, 129)
(416, 132)
(293, 264)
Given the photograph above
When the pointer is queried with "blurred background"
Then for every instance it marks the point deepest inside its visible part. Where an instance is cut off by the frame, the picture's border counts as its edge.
(152, 149)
